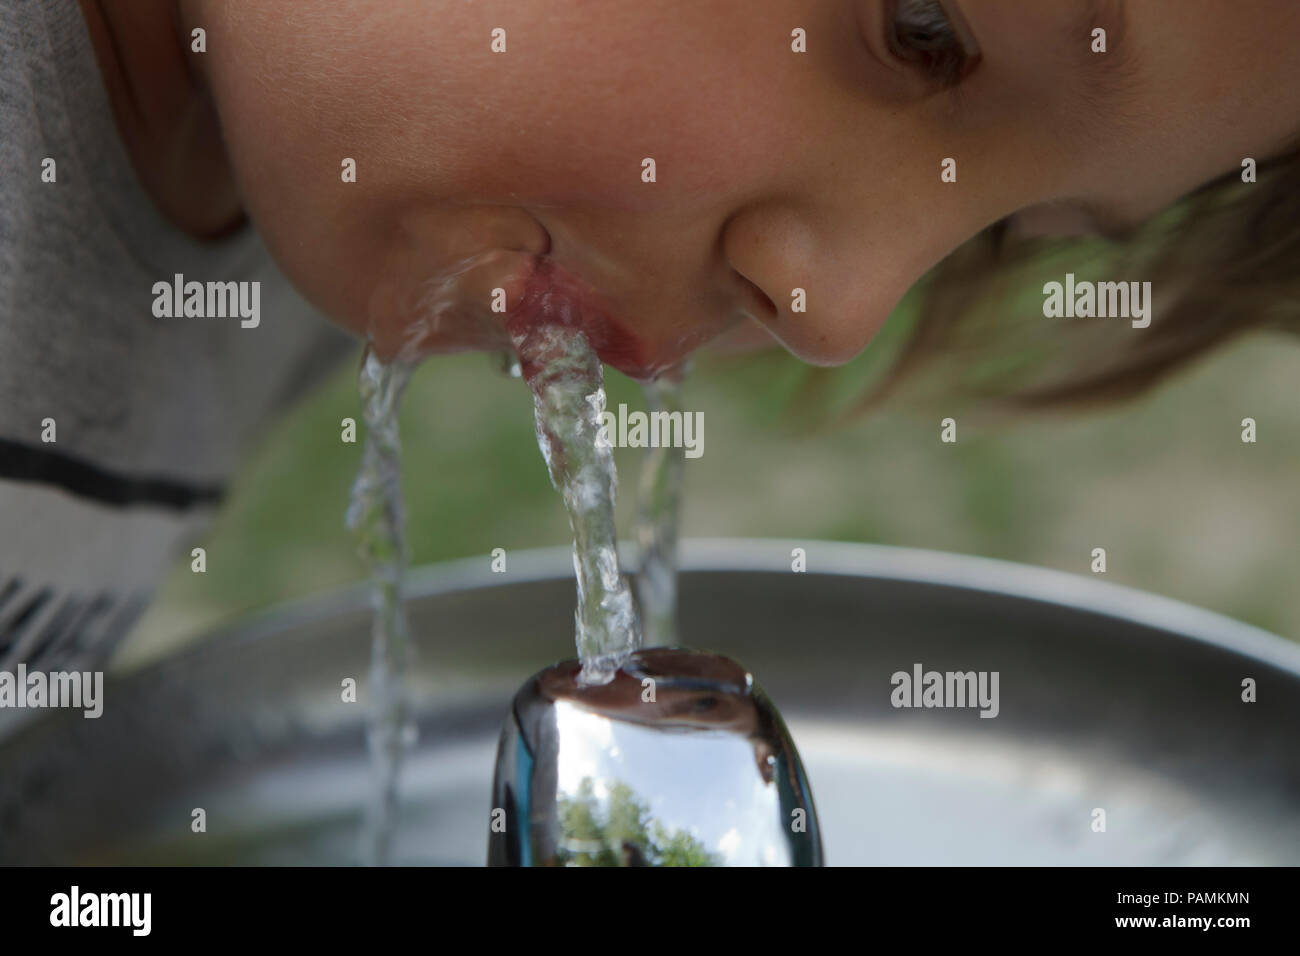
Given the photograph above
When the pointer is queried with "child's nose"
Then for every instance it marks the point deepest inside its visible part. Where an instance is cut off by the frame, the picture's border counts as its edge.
(826, 299)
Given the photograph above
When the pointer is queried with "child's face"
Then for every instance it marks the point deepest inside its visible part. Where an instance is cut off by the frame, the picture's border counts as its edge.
(774, 170)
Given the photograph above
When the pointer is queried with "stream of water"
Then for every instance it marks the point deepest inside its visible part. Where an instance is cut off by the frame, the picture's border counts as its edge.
(567, 383)
(659, 496)
(377, 518)
(568, 397)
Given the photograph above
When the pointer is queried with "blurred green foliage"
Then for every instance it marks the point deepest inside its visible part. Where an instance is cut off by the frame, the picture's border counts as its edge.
(618, 831)
(1165, 484)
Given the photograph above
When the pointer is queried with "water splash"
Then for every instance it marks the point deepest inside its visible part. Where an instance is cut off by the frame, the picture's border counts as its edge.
(376, 517)
(659, 496)
(568, 397)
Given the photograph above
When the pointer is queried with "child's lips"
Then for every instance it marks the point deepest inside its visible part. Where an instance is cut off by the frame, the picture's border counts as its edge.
(551, 295)
(453, 312)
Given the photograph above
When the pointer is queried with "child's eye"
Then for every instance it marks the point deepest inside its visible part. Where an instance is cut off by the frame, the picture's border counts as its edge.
(927, 34)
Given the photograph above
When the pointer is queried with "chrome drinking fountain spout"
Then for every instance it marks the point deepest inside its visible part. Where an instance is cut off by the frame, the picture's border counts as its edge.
(680, 760)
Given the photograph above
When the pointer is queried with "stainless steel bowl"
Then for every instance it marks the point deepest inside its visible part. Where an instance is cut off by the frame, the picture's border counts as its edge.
(1110, 699)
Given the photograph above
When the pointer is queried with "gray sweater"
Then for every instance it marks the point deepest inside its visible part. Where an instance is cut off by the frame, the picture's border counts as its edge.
(148, 411)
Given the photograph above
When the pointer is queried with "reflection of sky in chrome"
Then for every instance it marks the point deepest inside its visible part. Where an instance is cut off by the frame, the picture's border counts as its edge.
(722, 800)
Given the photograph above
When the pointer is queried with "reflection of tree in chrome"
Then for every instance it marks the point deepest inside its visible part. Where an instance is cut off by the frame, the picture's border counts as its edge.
(624, 835)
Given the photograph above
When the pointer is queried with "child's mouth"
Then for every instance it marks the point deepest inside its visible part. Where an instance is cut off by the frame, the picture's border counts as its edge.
(553, 296)
(488, 301)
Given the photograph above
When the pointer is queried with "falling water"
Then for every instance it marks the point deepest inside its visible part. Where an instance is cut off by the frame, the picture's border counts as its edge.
(659, 494)
(376, 517)
(568, 396)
